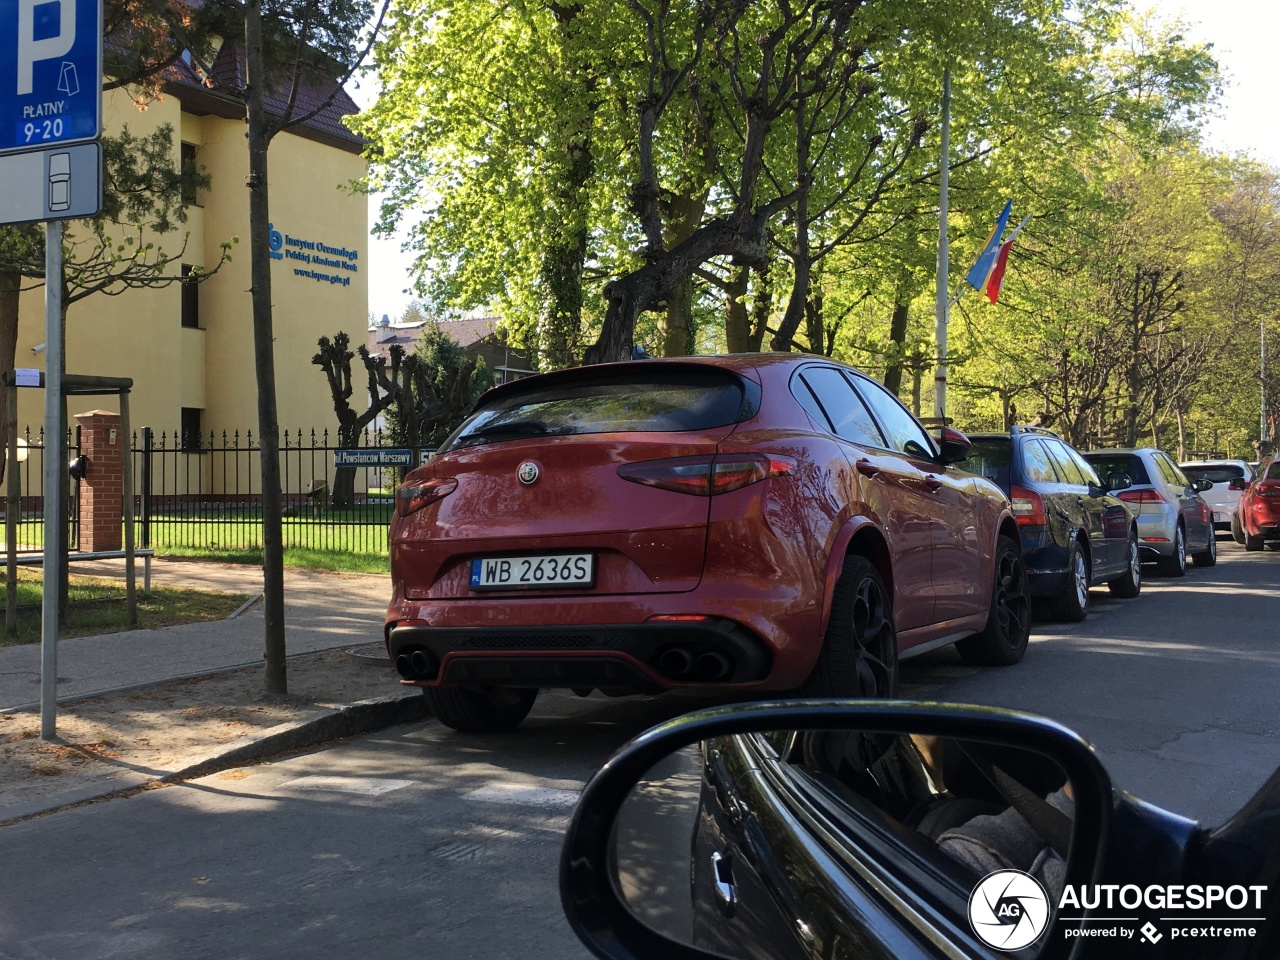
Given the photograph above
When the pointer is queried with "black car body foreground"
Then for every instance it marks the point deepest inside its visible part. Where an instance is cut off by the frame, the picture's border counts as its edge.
(874, 829)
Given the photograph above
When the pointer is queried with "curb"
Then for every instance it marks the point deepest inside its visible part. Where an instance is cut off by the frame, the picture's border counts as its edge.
(349, 720)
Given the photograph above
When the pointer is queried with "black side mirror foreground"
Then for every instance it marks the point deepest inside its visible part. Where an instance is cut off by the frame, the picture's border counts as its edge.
(1202, 486)
(900, 829)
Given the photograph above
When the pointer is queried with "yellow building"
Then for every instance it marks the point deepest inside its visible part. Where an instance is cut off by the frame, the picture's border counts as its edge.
(189, 348)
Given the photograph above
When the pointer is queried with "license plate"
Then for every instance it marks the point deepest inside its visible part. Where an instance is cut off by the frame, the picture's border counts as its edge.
(545, 570)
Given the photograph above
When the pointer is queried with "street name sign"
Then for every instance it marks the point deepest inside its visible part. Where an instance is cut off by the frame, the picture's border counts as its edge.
(58, 183)
(372, 458)
(50, 72)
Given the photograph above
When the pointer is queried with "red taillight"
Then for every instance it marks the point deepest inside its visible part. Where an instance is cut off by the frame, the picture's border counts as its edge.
(1028, 506)
(1142, 496)
(416, 494)
(707, 476)
(1269, 488)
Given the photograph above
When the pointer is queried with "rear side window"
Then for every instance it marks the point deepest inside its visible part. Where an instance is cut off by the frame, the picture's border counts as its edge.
(1219, 474)
(1035, 463)
(989, 458)
(848, 416)
(1273, 471)
(1172, 475)
(1108, 463)
(645, 401)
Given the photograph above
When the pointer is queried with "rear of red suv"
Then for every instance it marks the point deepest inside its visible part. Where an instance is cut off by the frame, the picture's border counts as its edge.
(542, 545)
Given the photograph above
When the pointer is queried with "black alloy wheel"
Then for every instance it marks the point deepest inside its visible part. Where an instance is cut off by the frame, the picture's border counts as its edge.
(1072, 604)
(1004, 639)
(480, 709)
(1209, 556)
(1237, 532)
(1129, 584)
(1176, 565)
(859, 655)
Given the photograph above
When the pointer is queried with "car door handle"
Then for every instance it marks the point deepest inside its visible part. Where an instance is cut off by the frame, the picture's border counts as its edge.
(866, 467)
(722, 878)
(932, 483)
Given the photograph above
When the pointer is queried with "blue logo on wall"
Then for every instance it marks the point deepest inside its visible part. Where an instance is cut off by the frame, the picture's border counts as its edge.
(341, 260)
(274, 240)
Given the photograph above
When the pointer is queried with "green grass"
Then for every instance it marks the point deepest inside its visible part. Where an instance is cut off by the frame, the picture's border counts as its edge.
(99, 606)
(293, 557)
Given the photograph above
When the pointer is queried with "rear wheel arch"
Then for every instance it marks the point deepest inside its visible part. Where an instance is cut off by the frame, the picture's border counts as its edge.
(860, 537)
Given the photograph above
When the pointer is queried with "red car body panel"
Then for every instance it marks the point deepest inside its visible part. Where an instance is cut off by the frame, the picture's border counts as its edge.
(1260, 503)
(759, 562)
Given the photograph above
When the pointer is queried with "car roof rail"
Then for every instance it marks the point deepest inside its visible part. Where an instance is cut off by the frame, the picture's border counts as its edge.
(1029, 428)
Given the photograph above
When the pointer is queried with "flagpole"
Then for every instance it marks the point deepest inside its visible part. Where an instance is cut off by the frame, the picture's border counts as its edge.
(942, 294)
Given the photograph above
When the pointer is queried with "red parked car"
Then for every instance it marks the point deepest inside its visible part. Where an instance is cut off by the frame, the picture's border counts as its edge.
(1258, 515)
(763, 522)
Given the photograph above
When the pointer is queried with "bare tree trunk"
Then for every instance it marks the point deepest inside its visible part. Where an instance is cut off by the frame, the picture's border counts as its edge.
(264, 359)
(737, 324)
(897, 340)
(675, 327)
(1182, 434)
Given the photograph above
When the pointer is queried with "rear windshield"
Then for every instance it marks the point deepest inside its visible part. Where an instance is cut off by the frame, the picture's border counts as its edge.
(1108, 463)
(1273, 471)
(1217, 474)
(989, 458)
(652, 401)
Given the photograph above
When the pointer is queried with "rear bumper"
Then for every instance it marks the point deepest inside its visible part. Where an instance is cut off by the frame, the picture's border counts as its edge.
(643, 657)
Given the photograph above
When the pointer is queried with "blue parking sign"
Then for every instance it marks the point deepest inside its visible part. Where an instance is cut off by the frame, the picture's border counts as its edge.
(50, 72)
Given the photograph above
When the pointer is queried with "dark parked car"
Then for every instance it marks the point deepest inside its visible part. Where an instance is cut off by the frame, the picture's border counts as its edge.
(1075, 532)
(1258, 515)
(1173, 519)
(910, 831)
(758, 522)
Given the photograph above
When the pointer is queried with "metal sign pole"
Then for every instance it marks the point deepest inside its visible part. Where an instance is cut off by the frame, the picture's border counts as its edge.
(55, 464)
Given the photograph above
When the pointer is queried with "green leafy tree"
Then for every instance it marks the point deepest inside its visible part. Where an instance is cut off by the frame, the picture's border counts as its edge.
(438, 387)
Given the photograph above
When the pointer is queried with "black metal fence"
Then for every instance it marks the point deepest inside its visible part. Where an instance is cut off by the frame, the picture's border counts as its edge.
(30, 469)
(203, 494)
(199, 495)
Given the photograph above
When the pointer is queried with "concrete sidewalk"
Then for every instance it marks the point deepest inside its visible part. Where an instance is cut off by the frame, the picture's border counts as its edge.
(148, 707)
(323, 610)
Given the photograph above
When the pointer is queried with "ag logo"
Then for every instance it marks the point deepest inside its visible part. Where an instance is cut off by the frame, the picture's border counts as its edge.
(1008, 910)
(528, 472)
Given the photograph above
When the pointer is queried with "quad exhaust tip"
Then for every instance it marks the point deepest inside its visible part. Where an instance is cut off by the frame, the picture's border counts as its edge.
(683, 663)
(416, 665)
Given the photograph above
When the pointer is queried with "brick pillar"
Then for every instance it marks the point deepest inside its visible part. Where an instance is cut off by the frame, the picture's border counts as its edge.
(101, 491)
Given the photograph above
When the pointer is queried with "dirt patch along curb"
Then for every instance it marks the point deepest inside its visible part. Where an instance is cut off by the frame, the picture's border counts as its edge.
(352, 720)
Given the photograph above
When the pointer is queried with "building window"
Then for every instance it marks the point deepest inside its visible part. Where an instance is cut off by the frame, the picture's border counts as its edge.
(188, 170)
(190, 298)
(191, 434)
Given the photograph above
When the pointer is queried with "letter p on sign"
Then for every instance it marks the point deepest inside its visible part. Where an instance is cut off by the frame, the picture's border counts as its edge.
(51, 44)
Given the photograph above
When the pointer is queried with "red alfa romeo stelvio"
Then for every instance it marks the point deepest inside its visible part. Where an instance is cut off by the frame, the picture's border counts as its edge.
(761, 522)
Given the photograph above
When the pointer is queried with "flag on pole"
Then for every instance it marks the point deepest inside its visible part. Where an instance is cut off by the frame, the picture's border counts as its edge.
(977, 276)
(992, 286)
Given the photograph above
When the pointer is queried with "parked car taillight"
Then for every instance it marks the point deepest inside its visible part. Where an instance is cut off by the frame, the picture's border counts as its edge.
(707, 476)
(1028, 506)
(1269, 488)
(1142, 496)
(416, 494)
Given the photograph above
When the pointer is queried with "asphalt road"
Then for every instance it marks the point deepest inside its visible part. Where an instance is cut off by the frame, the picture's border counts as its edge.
(419, 842)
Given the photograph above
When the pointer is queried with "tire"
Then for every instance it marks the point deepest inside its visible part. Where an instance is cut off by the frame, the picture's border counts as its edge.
(1209, 556)
(1072, 604)
(859, 655)
(480, 709)
(1176, 565)
(1129, 584)
(1237, 532)
(1253, 544)
(1003, 640)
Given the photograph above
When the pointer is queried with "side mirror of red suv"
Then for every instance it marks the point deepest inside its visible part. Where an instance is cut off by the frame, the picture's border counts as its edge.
(954, 446)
